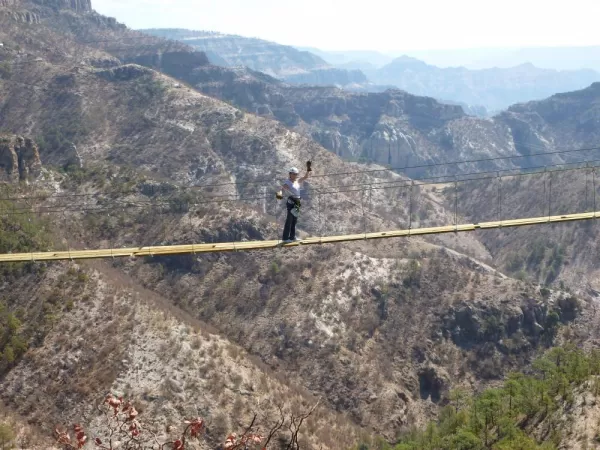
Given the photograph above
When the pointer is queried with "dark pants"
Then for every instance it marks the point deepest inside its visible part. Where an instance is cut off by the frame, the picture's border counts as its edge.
(289, 231)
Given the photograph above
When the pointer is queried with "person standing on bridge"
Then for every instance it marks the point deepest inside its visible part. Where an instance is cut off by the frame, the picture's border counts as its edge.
(293, 186)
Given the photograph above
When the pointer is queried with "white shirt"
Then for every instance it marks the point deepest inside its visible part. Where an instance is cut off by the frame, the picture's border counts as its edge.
(293, 188)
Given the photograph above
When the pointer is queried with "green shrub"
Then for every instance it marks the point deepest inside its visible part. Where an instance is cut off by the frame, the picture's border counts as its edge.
(493, 418)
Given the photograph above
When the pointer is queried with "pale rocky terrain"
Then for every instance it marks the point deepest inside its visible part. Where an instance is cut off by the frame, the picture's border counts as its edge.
(134, 156)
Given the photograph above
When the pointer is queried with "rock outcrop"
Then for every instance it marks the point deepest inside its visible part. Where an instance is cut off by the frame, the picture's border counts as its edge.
(178, 63)
(14, 11)
(22, 16)
(124, 73)
(79, 6)
(508, 329)
(19, 159)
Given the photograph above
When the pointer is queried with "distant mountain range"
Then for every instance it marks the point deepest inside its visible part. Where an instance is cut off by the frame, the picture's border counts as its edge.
(558, 58)
(478, 91)
(496, 88)
(489, 88)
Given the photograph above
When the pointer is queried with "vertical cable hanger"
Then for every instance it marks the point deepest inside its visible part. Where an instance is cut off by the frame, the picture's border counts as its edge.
(410, 206)
(370, 205)
(499, 207)
(594, 188)
(587, 165)
(363, 194)
(455, 203)
(544, 202)
(67, 235)
(110, 242)
(191, 230)
(319, 213)
(550, 196)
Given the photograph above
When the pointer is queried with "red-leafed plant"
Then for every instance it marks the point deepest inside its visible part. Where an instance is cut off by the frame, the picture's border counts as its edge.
(123, 431)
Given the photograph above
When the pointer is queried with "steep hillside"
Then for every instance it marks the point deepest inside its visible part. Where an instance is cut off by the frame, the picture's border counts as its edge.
(400, 129)
(392, 127)
(389, 128)
(124, 340)
(379, 331)
(493, 88)
(563, 120)
(551, 254)
(82, 330)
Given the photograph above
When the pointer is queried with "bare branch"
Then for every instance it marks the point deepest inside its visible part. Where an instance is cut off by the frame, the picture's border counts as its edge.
(275, 429)
(294, 445)
(251, 425)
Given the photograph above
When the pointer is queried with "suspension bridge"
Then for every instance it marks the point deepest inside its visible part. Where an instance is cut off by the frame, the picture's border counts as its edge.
(362, 188)
(133, 252)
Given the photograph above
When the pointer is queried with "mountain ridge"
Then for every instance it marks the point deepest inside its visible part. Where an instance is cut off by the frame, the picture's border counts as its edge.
(280, 61)
(379, 332)
(494, 88)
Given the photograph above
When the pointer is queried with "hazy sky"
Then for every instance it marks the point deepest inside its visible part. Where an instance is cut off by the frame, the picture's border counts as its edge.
(384, 25)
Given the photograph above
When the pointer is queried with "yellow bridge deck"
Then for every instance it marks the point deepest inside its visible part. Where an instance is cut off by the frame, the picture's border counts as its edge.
(257, 245)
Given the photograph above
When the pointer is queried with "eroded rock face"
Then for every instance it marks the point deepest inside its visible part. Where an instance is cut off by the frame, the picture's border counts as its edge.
(178, 64)
(124, 73)
(508, 329)
(433, 382)
(76, 5)
(19, 159)
(13, 12)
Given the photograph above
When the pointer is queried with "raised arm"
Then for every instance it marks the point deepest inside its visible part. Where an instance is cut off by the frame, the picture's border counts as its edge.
(308, 171)
(303, 179)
